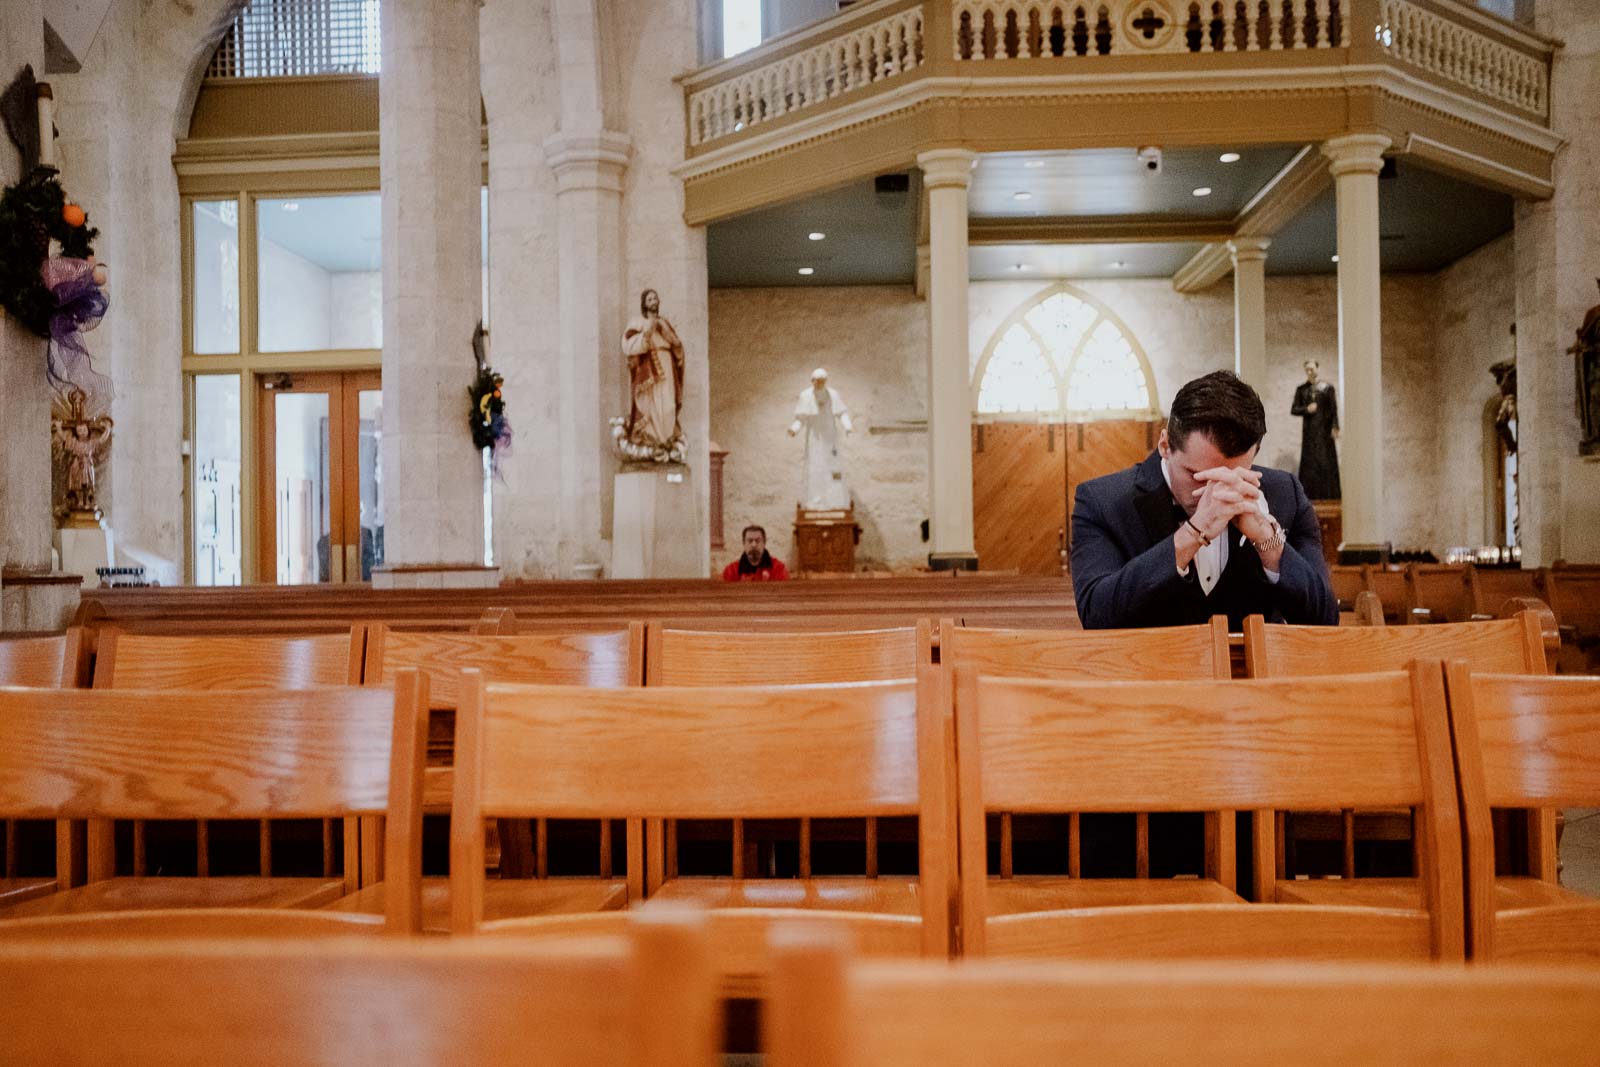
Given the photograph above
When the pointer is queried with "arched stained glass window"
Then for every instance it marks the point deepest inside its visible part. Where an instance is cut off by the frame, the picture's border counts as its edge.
(1063, 354)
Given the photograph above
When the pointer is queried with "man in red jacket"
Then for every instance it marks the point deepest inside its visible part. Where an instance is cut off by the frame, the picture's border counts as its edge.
(757, 564)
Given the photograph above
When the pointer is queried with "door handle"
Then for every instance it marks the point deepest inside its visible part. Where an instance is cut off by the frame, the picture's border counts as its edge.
(352, 563)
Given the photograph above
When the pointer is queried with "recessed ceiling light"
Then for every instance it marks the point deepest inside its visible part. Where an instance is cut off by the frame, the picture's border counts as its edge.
(806, 272)
(1118, 265)
(291, 206)
(816, 235)
(1204, 190)
(1022, 196)
(1229, 157)
(1034, 164)
(1335, 259)
(1019, 266)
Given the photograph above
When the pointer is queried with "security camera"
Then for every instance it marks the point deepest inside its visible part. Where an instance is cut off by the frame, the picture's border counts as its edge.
(1150, 159)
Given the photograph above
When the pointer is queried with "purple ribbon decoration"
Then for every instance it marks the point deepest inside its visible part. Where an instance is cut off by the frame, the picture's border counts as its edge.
(80, 305)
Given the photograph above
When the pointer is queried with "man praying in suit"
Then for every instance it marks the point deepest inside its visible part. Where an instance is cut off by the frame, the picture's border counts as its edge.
(1196, 530)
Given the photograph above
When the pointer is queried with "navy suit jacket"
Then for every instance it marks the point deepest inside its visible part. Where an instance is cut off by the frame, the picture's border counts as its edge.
(1125, 570)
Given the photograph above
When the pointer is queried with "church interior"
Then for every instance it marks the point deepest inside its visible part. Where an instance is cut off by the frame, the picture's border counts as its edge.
(597, 504)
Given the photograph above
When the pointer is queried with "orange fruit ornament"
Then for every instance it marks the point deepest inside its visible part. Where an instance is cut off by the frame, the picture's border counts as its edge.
(73, 215)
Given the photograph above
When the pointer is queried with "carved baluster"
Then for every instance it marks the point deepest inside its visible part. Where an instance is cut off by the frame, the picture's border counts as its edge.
(1297, 23)
(1227, 13)
(1322, 22)
(1017, 22)
(1274, 25)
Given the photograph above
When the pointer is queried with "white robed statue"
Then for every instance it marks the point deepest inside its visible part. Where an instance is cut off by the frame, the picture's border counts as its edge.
(821, 412)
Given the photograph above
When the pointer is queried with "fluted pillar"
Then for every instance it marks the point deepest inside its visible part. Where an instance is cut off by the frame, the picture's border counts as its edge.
(589, 169)
(431, 166)
(1355, 162)
(1249, 256)
(946, 174)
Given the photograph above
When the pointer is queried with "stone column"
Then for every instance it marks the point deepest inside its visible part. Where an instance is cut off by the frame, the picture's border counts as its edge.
(947, 172)
(1355, 162)
(589, 169)
(431, 166)
(1250, 309)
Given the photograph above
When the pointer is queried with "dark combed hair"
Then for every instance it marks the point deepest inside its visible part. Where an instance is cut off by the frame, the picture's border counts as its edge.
(1223, 408)
(758, 529)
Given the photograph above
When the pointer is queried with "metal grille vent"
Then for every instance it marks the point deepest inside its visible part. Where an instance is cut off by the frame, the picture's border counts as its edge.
(288, 38)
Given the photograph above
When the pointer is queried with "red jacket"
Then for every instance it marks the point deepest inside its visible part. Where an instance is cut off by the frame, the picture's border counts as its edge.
(768, 570)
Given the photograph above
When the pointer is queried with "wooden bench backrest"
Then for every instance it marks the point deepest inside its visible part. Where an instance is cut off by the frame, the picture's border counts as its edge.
(706, 657)
(825, 1012)
(872, 748)
(1347, 581)
(1491, 587)
(44, 662)
(487, 1003)
(1366, 740)
(143, 661)
(1574, 595)
(1389, 587)
(1282, 651)
(606, 659)
(1170, 652)
(1442, 588)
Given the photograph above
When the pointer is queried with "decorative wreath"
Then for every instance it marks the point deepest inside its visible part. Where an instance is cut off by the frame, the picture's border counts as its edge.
(33, 212)
(491, 428)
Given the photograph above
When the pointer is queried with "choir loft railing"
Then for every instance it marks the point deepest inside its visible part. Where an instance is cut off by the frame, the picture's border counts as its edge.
(876, 48)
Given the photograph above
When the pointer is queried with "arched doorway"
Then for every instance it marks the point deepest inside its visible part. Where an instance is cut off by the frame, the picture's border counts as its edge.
(1062, 393)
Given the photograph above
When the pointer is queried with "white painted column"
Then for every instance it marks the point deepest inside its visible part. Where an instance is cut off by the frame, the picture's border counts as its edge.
(589, 170)
(1249, 256)
(1355, 162)
(947, 172)
(431, 165)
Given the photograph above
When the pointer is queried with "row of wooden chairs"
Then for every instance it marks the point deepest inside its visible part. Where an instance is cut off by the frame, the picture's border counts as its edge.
(1461, 592)
(649, 996)
(374, 654)
(879, 749)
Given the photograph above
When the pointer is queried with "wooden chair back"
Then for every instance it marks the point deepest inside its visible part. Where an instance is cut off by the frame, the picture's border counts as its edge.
(826, 1011)
(1389, 586)
(647, 999)
(1514, 645)
(1524, 742)
(1492, 587)
(742, 657)
(62, 662)
(683, 753)
(1574, 594)
(259, 754)
(229, 661)
(1036, 746)
(58, 662)
(1348, 582)
(1168, 652)
(760, 656)
(1441, 589)
(602, 659)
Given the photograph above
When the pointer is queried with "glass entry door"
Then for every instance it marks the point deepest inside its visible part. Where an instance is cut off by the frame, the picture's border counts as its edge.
(321, 483)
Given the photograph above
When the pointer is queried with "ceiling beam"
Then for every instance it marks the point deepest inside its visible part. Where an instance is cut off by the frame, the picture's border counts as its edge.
(1110, 229)
(1291, 190)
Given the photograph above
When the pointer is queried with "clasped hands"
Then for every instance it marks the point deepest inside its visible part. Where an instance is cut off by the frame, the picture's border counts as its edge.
(1230, 495)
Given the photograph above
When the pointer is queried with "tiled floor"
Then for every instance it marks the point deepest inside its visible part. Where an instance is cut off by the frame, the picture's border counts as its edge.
(1580, 851)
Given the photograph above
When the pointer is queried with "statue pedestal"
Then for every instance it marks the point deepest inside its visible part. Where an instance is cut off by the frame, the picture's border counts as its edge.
(83, 550)
(653, 523)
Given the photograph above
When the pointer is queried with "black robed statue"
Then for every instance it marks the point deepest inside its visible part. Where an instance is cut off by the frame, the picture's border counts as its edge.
(1316, 402)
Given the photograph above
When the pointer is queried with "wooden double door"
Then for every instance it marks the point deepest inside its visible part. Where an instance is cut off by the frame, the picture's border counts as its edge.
(320, 487)
(1024, 478)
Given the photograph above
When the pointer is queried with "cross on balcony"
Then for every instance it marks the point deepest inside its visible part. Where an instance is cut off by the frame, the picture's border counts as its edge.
(1148, 23)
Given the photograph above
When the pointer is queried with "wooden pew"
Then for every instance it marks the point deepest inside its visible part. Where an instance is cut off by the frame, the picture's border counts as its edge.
(1171, 652)
(1524, 742)
(1442, 590)
(1573, 593)
(829, 1011)
(1365, 740)
(105, 754)
(648, 998)
(1276, 651)
(769, 752)
(227, 661)
(1493, 587)
(1348, 582)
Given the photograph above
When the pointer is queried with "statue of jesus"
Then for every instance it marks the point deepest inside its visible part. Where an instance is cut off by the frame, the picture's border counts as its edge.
(655, 373)
(821, 412)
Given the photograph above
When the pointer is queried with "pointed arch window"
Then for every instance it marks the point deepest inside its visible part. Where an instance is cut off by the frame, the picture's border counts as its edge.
(1063, 354)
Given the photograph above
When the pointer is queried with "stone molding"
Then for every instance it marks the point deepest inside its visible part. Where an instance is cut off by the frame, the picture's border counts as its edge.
(590, 160)
(1248, 249)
